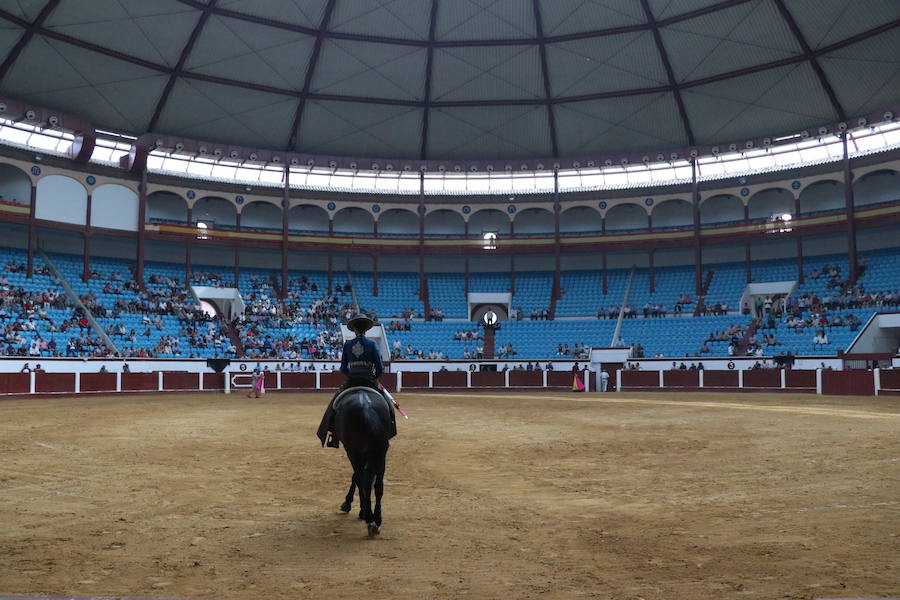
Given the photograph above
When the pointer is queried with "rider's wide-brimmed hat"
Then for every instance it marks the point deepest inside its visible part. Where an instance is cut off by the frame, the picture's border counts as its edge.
(360, 321)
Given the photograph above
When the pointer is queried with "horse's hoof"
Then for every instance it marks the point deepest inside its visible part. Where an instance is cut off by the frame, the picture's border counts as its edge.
(345, 507)
(373, 529)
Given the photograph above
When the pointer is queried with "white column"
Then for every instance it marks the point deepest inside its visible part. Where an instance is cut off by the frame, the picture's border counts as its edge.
(700, 376)
(201, 380)
(618, 380)
(430, 379)
(505, 378)
(740, 378)
(31, 378)
(227, 382)
(399, 380)
(318, 380)
(545, 377)
(819, 381)
(468, 379)
(277, 380)
(160, 379)
(662, 378)
(78, 383)
(783, 378)
(118, 382)
(877, 375)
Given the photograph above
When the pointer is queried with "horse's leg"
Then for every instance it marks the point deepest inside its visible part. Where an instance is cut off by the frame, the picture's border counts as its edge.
(364, 484)
(348, 500)
(379, 487)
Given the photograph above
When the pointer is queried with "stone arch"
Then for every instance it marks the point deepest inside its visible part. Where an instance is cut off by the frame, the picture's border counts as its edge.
(166, 207)
(876, 187)
(534, 220)
(488, 219)
(824, 195)
(445, 222)
(215, 211)
(354, 220)
(304, 218)
(15, 185)
(261, 215)
(626, 217)
(398, 221)
(721, 208)
(770, 201)
(580, 219)
(675, 212)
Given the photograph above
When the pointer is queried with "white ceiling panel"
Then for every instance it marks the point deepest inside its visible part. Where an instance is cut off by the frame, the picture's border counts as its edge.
(824, 23)
(370, 70)
(489, 132)
(561, 17)
(485, 73)
(408, 19)
(306, 13)
(351, 129)
(665, 9)
(484, 20)
(853, 70)
(236, 49)
(24, 9)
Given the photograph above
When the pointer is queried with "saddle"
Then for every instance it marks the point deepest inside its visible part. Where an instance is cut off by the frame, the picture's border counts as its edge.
(336, 403)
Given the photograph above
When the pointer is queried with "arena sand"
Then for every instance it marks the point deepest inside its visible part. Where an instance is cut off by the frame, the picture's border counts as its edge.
(506, 495)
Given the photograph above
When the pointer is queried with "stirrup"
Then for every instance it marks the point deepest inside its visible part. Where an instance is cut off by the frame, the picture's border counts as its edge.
(332, 441)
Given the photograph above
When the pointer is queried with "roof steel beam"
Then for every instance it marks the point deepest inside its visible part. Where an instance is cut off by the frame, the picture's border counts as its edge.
(664, 56)
(30, 30)
(361, 37)
(179, 66)
(429, 61)
(545, 72)
(808, 55)
(310, 70)
(790, 60)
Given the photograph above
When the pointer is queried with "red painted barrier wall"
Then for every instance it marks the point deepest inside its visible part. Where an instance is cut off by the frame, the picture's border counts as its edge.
(140, 382)
(848, 383)
(389, 381)
(214, 381)
(762, 378)
(332, 380)
(295, 381)
(415, 379)
(559, 379)
(178, 380)
(15, 383)
(448, 379)
(890, 379)
(720, 379)
(488, 379)
(679, 378)
(98, 382)
(800, 379)
(54, 382)
(526, 378)
(640, 379)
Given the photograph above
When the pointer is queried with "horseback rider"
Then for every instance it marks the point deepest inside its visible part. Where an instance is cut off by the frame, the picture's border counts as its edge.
(361, 363)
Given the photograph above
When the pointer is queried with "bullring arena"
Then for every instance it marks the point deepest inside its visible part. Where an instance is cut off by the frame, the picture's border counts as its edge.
(488, 494)
(632, 268)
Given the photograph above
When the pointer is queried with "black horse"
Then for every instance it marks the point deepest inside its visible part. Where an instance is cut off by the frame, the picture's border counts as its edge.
(363, 425)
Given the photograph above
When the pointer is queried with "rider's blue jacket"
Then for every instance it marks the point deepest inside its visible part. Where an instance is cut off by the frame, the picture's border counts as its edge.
(361, 358)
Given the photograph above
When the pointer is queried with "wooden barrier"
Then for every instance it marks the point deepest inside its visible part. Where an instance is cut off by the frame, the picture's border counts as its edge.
(639, 379)
(15, 383)
(332, 380)
(298, 381)
(214, 381)
(526, 379)
(180, 381)
(140, 382)
(890, 380)
(720, 379)
(800, 379)
(389, 381)
(762, 378)
(681, 378)
(415, 379)
(559, 379)
(54, 383)
(447, 379)
(488, 379)
(98, 382)
(848, 383)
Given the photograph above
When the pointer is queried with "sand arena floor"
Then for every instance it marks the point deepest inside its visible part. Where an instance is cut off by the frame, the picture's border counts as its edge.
(488, 496)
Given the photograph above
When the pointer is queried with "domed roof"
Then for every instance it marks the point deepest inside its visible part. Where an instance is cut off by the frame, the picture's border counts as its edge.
(454, 79)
